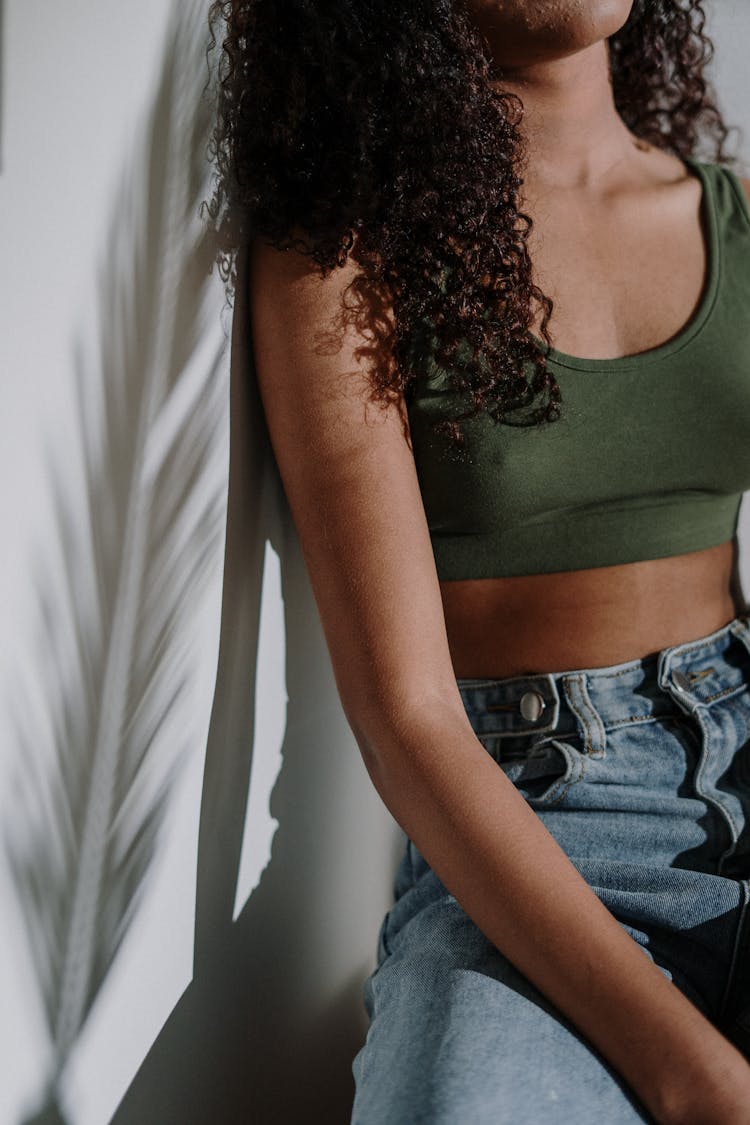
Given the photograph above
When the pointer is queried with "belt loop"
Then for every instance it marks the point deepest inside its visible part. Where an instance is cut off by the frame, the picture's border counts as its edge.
(740, 627)
(589, 720)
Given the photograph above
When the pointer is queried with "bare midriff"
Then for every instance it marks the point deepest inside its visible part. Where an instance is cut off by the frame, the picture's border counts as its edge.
(592, 618)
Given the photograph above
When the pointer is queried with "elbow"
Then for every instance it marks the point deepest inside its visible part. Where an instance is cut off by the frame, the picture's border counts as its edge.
(372, 744)
(394, 741)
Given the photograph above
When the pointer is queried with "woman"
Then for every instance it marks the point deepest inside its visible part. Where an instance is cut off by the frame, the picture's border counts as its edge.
(525, 560)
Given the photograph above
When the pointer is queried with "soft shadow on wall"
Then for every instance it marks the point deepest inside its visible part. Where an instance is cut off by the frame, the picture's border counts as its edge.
(137, 530)
(267, 1028)
(274, 1015)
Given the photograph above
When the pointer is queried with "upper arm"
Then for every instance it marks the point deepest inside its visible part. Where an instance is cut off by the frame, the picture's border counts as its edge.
(351, 483)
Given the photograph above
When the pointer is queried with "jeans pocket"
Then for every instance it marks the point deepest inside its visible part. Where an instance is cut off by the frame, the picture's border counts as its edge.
(543, 772)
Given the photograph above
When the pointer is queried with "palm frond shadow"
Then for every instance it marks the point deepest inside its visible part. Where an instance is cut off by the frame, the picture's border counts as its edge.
(135, 544)
(260, 1034)
(267, 1035)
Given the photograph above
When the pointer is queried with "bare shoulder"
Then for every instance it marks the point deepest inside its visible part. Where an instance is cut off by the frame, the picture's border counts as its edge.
(350, 479)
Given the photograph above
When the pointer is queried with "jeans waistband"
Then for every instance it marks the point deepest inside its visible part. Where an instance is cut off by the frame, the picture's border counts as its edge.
(691, 675)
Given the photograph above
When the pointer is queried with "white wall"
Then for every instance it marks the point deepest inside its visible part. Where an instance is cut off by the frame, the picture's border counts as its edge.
(104, 295)
(255, 1001)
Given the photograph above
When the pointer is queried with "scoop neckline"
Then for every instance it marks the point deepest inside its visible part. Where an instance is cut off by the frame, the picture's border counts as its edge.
(693, 325)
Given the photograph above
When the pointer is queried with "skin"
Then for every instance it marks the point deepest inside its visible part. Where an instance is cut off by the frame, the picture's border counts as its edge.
(586, 178)
(352, 487)
(523, 33)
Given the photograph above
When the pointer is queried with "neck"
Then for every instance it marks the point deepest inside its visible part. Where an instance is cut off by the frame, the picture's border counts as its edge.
(574, 135)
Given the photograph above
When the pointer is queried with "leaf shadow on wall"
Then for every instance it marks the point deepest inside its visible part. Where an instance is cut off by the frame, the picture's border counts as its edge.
(104, 722)
(268, 1028)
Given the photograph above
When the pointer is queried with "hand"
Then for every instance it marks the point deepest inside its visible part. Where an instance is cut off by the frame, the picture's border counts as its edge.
(719, 1095)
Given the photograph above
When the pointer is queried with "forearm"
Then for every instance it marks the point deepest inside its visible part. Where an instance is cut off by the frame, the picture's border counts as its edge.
(492, 852)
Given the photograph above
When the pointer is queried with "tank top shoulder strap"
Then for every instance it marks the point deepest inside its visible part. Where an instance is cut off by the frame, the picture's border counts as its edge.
(730, 203)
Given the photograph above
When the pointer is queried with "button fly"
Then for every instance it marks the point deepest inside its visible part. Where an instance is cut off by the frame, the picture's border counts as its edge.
(531, 705)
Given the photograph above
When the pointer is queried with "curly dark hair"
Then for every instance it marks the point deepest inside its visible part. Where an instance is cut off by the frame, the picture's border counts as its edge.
(343, 134)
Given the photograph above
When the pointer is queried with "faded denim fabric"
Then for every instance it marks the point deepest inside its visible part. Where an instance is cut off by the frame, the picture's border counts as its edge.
(641, 772)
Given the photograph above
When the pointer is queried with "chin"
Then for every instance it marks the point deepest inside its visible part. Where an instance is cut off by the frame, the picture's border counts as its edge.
(521, 32)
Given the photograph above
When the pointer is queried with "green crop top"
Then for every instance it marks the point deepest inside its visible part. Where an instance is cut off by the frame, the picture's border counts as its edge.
(650, 455)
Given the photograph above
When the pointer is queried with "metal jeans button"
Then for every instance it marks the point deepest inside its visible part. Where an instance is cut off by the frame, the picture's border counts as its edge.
(531, 705)
(680, 681)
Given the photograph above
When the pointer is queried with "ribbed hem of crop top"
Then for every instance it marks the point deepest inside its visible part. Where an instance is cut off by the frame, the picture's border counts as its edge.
(648, 460)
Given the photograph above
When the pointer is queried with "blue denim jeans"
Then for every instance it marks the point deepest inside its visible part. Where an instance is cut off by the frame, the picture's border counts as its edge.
(641, 772)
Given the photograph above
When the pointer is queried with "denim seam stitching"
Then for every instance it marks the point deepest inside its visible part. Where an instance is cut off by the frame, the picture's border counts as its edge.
(613, 675)
(566, 784)
(737, 631)
(635, 719)
(708, 643)
(714, 802)
(583, 732)
(726, 691)
(697, 647)
(585, 708)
